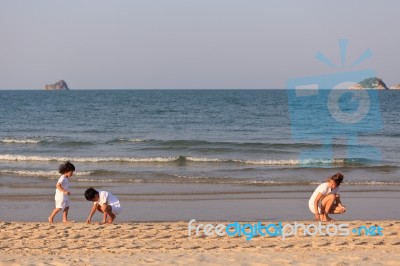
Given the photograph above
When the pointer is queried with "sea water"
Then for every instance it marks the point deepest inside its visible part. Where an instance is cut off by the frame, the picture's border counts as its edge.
(229, 140)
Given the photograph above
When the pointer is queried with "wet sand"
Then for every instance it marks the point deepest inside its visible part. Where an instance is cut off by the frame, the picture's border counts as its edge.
(183, 202)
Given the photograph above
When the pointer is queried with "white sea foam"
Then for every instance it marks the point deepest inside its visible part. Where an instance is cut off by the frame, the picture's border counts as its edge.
(292, 162)
(20, 141)
(12, 157)
(203, 159)
(41, 172)
(131, 140)
(269, 162)
(109, 180)
(136, 140)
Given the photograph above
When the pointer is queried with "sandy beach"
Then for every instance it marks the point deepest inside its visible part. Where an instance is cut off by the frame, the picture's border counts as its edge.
(168, 243)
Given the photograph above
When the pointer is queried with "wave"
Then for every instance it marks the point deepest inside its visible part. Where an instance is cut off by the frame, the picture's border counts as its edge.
(217, 144)
(373, 168)
(20, 141)
(181, 159)
(41, 172)
(105, 176)
(227, 180)
(221, 180)
(270, 162)
(11, 157)
(44, 140)
(133, 140)
(71, 143)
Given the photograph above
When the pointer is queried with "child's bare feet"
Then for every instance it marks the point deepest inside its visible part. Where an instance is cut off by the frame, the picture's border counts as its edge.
(68, 222)
(104, 223)
(50, 220)
(111, 218)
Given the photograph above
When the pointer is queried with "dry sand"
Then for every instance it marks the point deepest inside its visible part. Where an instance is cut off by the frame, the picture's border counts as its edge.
(34, 243)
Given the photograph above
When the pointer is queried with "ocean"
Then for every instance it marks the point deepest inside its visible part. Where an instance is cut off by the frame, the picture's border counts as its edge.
(177, 146)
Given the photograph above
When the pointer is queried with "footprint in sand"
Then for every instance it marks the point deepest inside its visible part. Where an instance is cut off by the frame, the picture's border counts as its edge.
(209, 246)
(128, 236)
(170, 247)
(395, 242)
(152, 246)
(146, 236)
(40, 236)
(267, 245)
(130, 228)
(17, 246)
(229, 246)
(345, 243)
(385, 225)
(111, 227)
(323, 244)
(47, 227)
(286, 245)
(189, 246)
(359, 243)
(159, 236)
(59, 246)
(75, 246)
(379, 243)
(132, 246)
(248, 245)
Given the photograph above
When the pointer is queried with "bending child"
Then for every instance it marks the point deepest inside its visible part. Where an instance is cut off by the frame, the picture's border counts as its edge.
(104, 202)
(326, 199)
(62, 191)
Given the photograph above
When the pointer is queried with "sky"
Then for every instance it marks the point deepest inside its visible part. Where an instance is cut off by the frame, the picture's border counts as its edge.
(187, 44)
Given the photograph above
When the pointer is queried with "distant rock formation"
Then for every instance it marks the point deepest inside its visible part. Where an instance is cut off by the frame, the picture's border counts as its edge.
(370, 83)
(380, 85)
(395, 87)
(356, 86)
(60, 85)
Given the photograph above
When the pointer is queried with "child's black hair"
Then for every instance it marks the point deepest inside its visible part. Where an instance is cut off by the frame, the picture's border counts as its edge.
(90, 193)
(66, 167)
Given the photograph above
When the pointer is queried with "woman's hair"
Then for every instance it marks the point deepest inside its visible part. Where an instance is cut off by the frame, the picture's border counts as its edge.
(338, 178)
(66, 167)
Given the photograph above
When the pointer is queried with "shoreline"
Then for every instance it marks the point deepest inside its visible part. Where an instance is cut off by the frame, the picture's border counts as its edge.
(168, 243)
(379, 205)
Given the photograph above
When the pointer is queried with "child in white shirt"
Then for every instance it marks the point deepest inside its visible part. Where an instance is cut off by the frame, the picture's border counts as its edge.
(62, 191)
(104, 202)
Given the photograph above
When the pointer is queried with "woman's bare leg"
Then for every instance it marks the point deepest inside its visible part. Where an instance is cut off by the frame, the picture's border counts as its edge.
(326, 205)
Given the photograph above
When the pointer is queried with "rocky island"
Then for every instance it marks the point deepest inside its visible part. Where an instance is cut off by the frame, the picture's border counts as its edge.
(60, 85)
(395, 87)
(370, 83)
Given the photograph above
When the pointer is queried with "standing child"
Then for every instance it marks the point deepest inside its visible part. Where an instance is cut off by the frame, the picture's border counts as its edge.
(104, 202)
(326, 199)
(62, 191)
